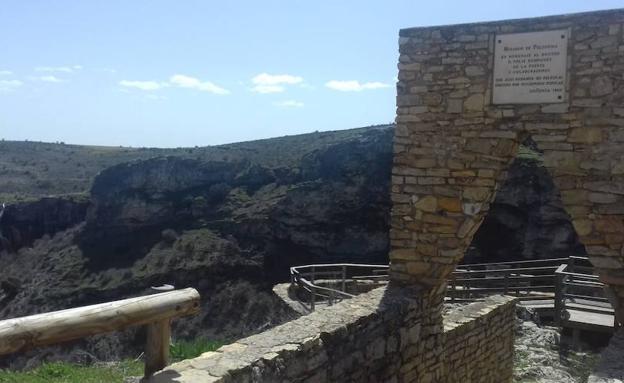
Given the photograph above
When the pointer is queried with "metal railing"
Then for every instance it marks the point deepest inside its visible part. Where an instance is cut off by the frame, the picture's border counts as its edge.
(578, 291)
(561, 280)
(526, 279)
(330, 282)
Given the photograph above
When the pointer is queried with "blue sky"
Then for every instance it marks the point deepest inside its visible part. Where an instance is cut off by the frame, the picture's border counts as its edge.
(186, 73)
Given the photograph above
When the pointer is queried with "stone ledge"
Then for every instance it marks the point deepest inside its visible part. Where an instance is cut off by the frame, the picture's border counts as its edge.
(476, 311)
(407, 32)
(313, 337)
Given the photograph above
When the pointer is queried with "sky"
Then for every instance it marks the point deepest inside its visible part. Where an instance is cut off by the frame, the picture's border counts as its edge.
(156, 73)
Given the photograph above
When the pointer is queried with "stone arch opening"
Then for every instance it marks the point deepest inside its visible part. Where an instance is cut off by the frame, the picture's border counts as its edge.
(527, 219)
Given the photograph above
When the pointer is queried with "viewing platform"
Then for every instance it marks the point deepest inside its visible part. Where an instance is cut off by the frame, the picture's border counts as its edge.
(563, 291)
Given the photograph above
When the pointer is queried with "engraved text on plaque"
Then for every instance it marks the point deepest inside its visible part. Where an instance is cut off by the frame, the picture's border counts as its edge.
(530, 67)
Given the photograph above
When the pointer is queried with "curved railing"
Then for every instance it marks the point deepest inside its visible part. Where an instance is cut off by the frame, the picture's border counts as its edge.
(331, 282)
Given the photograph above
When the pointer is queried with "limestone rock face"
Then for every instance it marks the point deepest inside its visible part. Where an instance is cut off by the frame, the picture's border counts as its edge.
(526, 220)
(23, 223)
(331, 205)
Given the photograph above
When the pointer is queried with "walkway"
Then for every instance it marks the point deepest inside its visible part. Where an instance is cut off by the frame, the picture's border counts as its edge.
(562, 290)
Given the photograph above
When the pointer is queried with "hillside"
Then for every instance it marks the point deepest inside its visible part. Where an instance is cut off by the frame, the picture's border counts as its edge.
(227, 220)
(31, 170)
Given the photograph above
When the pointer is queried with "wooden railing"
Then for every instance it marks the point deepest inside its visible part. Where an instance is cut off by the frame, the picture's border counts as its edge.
(155, 311)
(309, 278)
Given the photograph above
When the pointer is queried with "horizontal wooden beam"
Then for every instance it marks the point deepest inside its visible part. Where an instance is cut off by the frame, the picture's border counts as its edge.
(23, 333)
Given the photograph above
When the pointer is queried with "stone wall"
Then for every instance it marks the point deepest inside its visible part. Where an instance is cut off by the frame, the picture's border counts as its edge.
(478, 341)
(453, 145)
(381, 336)
(375, 337)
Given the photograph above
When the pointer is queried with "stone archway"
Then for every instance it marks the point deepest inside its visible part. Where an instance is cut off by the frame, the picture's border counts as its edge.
(453, 144)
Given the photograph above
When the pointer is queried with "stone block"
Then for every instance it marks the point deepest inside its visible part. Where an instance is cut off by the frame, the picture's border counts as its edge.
(601, 86)
(417, 268)
(602, 198)
(476, 193)
(454, 105)
(473, 70)
(424, 163)
(452, 205)
(474, 103)
(586, 135)
(427, 203)
(583, 227)
(560, 159)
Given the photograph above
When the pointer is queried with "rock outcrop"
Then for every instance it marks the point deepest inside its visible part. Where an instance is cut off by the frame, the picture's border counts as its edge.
(23, 223)
(527, 219)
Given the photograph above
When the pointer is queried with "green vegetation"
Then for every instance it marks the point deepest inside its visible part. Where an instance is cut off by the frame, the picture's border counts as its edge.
(62, 372)
(527, 153)
(191, 349)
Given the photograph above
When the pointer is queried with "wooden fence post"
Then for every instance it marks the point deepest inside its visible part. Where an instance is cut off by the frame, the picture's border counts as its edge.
(157, 346)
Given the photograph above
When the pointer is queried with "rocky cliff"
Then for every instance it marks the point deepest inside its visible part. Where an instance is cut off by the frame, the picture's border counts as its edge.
(23, 223)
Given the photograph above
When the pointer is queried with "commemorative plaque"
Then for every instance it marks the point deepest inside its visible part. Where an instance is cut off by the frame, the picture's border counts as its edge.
(530, 68)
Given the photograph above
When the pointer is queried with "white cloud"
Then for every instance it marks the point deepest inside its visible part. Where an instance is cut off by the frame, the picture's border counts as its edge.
(354, 86)
(9, 85)
(5, 73)
(289, 104)
(49, 79)
(184, 81)
(273, 83)
(64, 69)
(143, 85)
(177, 80)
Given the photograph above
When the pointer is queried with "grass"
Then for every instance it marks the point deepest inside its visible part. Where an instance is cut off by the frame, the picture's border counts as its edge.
(62, 372)
(191, 349)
